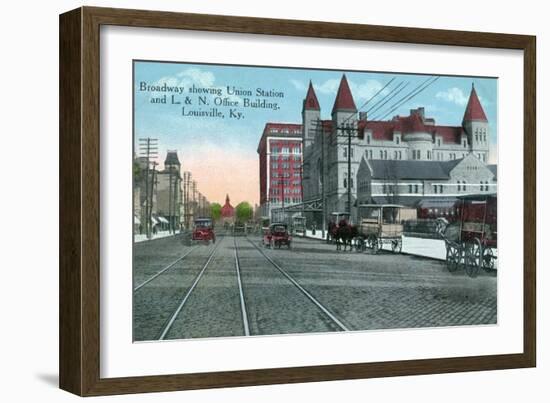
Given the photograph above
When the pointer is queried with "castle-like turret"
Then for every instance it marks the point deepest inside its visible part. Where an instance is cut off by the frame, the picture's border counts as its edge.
(476, 125)
(311, 113)
(172, 161)
(344, 105)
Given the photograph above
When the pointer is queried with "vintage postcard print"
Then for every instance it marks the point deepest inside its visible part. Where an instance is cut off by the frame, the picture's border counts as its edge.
(271, 200)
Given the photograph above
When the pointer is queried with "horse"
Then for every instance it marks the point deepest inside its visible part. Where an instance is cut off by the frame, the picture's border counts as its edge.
(331, 233)
(345, 233)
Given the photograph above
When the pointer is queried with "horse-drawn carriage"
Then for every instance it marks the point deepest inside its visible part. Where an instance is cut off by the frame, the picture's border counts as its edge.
(203, 230)
(381, 224)
(335, 221)
(471, 241)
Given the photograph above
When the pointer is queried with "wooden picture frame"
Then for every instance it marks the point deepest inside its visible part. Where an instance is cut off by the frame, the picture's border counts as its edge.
(79, 346)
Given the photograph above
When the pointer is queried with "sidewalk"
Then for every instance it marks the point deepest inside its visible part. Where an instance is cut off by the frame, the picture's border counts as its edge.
(425, 247)
(318, 234)
(160, 234)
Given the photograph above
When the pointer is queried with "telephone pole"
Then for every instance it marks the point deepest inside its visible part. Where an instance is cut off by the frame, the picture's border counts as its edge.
(348, 129)
(194, 190)
(186, 202)
(170, 199)
(148, 150)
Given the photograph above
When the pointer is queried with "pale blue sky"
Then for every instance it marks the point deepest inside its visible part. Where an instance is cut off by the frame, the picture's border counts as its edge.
(445, 100)
(207, 146)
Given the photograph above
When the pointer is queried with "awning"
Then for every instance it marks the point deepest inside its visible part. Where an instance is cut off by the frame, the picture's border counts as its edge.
(154, 221)
(162, 219)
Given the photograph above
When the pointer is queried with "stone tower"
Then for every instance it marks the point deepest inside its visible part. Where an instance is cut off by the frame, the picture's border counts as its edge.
(344, 114)
(476, 125)
(172, 162)
(311, 115)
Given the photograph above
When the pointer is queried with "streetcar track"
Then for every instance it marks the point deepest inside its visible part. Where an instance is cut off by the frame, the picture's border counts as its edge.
(302, 289)
(241, 294)
(188, 293)
(165, 269)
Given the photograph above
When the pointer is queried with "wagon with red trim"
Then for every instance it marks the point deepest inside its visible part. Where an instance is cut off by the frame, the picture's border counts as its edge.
(471, 241)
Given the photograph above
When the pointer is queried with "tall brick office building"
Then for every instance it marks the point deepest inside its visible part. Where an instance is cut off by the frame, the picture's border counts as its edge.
(280, 153)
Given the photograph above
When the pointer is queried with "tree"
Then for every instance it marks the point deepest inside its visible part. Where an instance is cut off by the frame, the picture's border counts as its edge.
(216, 211)
(137, 171)
(244, 212)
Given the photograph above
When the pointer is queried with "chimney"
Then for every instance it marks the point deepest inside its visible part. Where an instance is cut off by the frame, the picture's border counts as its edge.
(362, 115)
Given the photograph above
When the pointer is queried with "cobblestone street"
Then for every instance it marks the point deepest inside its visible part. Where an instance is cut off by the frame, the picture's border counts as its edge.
(236, 287)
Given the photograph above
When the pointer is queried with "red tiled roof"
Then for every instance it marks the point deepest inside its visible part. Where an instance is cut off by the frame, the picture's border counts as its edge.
(474, 110)
(344, 99)
(450, 134)
(383, 130)
(311, 101)
(279, 126)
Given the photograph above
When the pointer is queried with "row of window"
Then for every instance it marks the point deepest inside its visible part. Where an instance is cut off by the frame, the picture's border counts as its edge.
(345, 152)
(282, 158)
(276, 174)
(415, 188)
(285, 150)
(480, 137)
(285, 183)
(397, 139)
(285, 131)
(277, 191)
(285, 165)
(287, 199)
(346, 182)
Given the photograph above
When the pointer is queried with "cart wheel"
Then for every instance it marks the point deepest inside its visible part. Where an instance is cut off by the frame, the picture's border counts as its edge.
(396, 246)
(453, 258)
(472, 257)
(488, 261)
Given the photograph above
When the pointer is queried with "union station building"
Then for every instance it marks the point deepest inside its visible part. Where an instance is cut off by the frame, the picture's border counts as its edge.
(402, 160)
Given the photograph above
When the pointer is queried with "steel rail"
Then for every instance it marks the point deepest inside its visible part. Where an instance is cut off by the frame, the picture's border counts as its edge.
(302, 289)
(163, 270)
(187, 294)
(241, 294)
